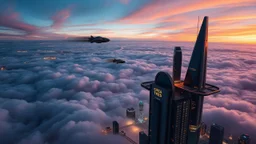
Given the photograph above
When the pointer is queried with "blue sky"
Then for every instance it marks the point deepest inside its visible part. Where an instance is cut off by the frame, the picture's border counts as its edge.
(82, 12)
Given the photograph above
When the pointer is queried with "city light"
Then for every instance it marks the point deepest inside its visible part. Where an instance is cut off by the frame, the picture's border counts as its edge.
(50, 58)
(135, 129)
(104, 132)
(3, 68)
(22, 51)
(129, 122)
(193, 128)
(230, 137)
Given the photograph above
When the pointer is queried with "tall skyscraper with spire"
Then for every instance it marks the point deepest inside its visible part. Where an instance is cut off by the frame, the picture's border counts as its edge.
(176, 106)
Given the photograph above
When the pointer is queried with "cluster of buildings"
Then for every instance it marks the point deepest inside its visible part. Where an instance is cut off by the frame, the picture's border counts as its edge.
(216, 136)
(135, 117)
(139, 117)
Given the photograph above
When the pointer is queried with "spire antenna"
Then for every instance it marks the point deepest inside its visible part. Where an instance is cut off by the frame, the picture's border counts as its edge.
(198, 24)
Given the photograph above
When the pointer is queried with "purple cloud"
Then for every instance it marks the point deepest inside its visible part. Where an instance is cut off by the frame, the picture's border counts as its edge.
(60, 17)
(70, 99)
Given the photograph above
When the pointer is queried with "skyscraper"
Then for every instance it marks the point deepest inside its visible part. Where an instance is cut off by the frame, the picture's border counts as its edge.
(115, 127)
(168, 114)
(130, 113)
(141, 115)
(161, 95)
(244, 139)
(195, 82)
(195, 78)
(143, 138)
(176, 70)
(216, 134)
(177, 63)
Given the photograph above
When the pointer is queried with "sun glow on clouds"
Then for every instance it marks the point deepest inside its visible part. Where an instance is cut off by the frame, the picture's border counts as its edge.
(230, 21)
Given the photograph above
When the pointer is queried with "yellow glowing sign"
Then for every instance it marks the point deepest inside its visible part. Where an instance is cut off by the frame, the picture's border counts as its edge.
(193, 128)
(157, 92)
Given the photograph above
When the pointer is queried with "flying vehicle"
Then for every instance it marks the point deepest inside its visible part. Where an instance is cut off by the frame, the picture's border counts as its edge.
(98, 39)
(117, 61)
(91, 39)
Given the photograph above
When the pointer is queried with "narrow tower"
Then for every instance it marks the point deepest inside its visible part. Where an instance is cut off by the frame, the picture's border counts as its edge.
(217, 134)
(141, 115)
(115, 127)
(177, 62)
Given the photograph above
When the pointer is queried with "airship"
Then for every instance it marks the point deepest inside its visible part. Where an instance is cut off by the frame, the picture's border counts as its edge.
(91, 39)
(117, 61)
(98, 39)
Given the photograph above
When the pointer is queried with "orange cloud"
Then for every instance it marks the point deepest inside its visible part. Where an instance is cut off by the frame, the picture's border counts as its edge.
(230, 20)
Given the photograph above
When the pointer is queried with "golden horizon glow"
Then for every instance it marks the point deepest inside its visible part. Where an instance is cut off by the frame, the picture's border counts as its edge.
(229, 21)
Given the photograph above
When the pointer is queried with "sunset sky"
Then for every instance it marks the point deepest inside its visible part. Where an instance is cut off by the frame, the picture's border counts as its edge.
(229, 20)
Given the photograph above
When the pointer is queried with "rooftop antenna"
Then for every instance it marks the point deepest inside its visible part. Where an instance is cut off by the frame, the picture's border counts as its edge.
(198, 24)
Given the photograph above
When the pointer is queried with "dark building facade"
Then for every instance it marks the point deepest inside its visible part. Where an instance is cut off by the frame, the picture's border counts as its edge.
(115, 127)
(130, 113)
(244, 139)
(143, 138)
(161, 95)
(216, 134)
(180, 120)
(168, 114)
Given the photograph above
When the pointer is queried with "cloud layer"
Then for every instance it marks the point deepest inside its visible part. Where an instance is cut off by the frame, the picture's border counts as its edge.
(70, 99)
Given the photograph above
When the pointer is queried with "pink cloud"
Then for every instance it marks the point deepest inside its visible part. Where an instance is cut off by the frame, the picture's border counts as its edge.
(60, 17)
(11, 19)
(231, 104)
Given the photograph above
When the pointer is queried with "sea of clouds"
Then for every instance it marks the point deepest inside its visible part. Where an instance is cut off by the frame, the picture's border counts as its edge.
(70, 99)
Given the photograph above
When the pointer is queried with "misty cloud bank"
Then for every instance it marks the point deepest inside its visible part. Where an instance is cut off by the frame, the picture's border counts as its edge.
(70, 99)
